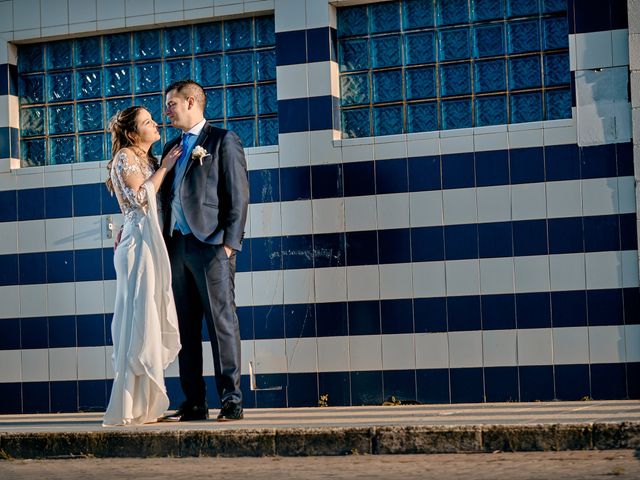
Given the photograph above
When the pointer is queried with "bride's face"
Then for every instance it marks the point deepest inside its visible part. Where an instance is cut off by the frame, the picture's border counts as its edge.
(147, 129)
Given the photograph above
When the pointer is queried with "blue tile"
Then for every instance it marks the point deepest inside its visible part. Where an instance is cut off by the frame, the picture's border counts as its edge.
(10, 338)
(399, 384)
(366, 388)
(326, 181)
(4, 79)
(329, 250)
(396, 316)
(291, 47)
(619, 14)
(32, 268)
(601, 233)
(86, 199)
(364, 318)
(108, 320)
(275, 398)
(91, 330)
(295, 183)
(362, 248)
(35, 397)
(323, 112)
(64, 397)
(359, 179)
(466, 385)
(530, 237)
(391, 176)
(10, 398)
(174, 391)
(58, 202)
(498, 312)
(60, 267)
(624, 157)
(297, 251)
(608, 381)
(430, 314)
(394, 245)
(9, 202)
(62, 331)
(598, 161)
(594, 18)
(30, 203)
(566, 236)
(432, 386)
(108, 268)
(605, 307)
(332, 319)
(245, 319)
(336, 387)
(212, 398)
(458, 170)
(562, 162)
(631, 298)
(633, 373)
(293, 115)
(495, 240)
(536, 383)
(533, 310)
(266, 253)
(569, 309)
(108, 202)
(300, 320)
(424, 173)
(268, 321)
(572, 382)
(463, 313)
(9, 270)
(264, 185)
(427, 244)
(492, 168)
(461, 242)
(13, 80)
(527, 165)
(302, 390)
(501, 384)
(248, 395)
(92, 395)
(88, 265)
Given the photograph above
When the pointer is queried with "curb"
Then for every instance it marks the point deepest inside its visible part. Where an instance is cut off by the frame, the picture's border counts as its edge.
(323, 441)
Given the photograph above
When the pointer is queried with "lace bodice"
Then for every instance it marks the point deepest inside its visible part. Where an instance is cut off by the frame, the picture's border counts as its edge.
(128, 172)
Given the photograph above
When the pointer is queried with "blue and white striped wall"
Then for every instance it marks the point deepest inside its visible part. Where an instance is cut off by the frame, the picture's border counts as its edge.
(488, 264)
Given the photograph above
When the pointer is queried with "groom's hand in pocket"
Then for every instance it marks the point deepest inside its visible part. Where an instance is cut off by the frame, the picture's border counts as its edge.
(228, 251)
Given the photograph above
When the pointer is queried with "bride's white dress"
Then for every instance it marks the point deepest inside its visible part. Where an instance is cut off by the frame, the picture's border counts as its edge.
(145, 326)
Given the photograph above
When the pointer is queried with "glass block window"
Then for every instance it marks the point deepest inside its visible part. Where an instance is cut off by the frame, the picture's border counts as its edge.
(70, 89)
(419, 65)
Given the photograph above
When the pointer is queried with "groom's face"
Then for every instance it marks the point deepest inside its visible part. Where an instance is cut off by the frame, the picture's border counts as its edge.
(179, 109)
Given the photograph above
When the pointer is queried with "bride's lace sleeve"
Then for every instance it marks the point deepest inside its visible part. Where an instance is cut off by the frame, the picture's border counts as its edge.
(130, 176)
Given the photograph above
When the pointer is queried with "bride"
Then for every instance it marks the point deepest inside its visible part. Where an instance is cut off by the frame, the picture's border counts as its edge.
(145, 327)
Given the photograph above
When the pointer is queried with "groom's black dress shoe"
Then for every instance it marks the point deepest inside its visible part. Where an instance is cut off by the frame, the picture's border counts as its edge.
(186, 414)
(230, 411)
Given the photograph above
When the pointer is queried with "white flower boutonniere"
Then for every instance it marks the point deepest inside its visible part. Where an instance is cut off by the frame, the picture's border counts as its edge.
(199, 153)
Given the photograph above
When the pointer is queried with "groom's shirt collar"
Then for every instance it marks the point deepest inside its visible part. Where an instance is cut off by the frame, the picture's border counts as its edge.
(197, 128)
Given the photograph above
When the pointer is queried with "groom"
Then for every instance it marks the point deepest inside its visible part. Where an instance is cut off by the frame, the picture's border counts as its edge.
(204, 204)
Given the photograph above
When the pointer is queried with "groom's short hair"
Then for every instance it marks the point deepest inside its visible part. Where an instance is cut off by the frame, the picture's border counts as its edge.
(189, 88)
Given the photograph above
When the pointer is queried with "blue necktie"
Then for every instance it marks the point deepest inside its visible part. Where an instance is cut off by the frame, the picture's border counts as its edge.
(186, 146)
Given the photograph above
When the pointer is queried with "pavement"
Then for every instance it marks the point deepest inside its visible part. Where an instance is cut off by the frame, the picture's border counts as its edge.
(377, 430)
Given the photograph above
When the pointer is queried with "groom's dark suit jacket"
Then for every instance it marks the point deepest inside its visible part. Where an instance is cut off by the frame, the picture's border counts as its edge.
(215, 195)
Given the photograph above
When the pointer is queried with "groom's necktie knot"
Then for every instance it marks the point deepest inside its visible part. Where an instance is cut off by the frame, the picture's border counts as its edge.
(186, 142)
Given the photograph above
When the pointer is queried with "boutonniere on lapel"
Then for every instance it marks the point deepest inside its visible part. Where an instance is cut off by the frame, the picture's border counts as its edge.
(199, 153)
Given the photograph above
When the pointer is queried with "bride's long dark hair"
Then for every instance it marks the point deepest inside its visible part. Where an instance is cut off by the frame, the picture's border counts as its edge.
(121, 126)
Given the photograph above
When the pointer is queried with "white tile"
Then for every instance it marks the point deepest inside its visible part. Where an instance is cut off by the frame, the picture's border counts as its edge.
(357, 153)
(260, 161)
(564, 199)
(108, 353)
(244, 289)
(321, 79)
(422, 147)
(630, 274)
(247, 354)
(499, 348)
(61, 178)
(626, 195)
(91, 363)
(27, 16)
(465, 349)
(292, 82)
(266, 219)
(496, 276)
(7, 181)
(526, 138)
(83, 11)
(462, 144)
(398, 352)
(139, 20)
(425, 208)
(387, 150)
(61, 298)
(463, 277)
(59, 234)
(10, 301)
(572, 52)
(301, 355)
(138, 7)
(429, 279)
(8, 237)
(491, 141)
(318, 13)
(290, 15)
(32, 177)
(109, 9)
(31, 236)
(10, 366)
(28, 34)
(494, 204)
(168, 17)
(396, 281)
(363, 282)
(299, 286)
(114, 23)
(197, 14)
(296, 217)
(331, 284)
(109, 294)
(6, 17)
(600, 196)
(360, 213)
(33, 300)
(365, 352)
(528, 201)
(460, 206)
(268, 288)
(35, 365)
(163, 6)
(294, 149)
(570, 345)
(561, 135)
(535, 346)
(54, 12)
(532, 273)
(89, 297)
(432, 350)
(228, 10)
(604, 270)
(63, 364)
(321, 148)
(333, 354)
(607, 344)
(87, 232)
(620, 47)
(632, 338)
(593, 50)
(86, 173)
(328, 215)
(258, 6)
(393, 210)
(207, 361)
(567, 272)
(270, 356)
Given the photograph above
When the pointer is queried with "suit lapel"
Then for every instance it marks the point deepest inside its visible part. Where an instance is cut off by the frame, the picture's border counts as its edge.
(202, 138)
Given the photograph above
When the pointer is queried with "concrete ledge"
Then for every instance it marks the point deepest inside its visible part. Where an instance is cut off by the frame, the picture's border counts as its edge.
(323, 441)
